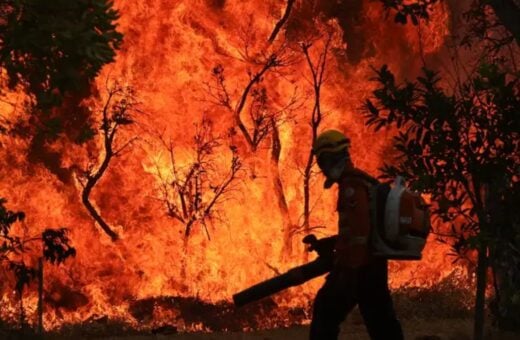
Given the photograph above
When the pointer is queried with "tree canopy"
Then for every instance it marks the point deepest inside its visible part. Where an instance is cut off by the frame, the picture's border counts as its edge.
(53, 47)
(462, 147)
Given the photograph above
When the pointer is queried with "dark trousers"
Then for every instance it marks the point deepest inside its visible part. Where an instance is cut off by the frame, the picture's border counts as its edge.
(366, 286)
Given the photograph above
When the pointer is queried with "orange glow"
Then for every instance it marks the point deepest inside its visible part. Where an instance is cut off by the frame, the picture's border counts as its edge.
(169, 51)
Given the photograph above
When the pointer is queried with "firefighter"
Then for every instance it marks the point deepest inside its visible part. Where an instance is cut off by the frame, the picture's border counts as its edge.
(357, 278)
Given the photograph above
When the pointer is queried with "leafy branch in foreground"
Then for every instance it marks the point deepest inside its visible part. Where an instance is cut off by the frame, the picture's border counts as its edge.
(462, 148)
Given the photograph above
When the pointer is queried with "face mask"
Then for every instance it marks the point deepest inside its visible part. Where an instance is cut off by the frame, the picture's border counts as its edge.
(336, 171)
(333, 165)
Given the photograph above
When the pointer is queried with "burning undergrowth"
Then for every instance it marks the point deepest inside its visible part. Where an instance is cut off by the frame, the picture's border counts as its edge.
(173, 314)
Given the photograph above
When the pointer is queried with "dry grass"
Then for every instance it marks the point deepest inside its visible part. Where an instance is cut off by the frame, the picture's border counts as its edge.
(439, 313)
(417, 329)
(353, 328)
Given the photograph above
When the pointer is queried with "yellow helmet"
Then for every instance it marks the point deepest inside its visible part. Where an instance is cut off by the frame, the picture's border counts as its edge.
(330, 141)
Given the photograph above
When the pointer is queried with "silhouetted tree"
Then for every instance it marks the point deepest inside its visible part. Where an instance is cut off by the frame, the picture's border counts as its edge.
(51, 48)
(506, 11)
(460, 147)
(490, 33)
(317, 70)
(192, 192)
(282, 21)
(16, 253)
(485, 30)
(52, 51)
(409, 10)
(119, 110)
(257, 117)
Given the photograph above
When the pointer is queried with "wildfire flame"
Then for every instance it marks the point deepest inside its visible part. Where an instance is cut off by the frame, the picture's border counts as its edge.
(169, 53)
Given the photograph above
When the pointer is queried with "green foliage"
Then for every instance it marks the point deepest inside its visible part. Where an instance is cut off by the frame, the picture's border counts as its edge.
(52, 47)
(462, 148)
(450, 144)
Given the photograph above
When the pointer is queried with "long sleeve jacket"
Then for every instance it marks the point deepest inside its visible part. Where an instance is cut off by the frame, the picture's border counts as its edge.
(352, 248)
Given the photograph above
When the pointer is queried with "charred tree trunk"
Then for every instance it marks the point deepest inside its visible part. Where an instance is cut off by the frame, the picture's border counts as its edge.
(85, 195)
(40, 296)
(251, 138)
(288, 227)
(306, 188)
(116, 112)
(95, 215)
(480, 298)
(504, 257)
(482, 199)
(282, 20)
(318, 72)
(184, 257)
(307, 174)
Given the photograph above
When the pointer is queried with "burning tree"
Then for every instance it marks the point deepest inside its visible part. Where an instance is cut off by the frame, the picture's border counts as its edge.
(118, 111)
(50, 61)
(193, 191)
(256, 114)
(253, 110)
(317, 70)
(266, 117)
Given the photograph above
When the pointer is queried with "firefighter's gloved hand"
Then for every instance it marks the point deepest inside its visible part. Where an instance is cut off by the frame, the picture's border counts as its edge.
(323, 246)
(311, 241)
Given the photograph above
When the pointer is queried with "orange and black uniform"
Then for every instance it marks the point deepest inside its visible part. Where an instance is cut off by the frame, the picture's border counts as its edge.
(357, 277)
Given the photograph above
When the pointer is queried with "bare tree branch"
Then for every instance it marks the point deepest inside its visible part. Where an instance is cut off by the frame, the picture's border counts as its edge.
(192, 195)
(253, 95)
(256, 115)
(282, 21)
(317, 71)
(117, 111)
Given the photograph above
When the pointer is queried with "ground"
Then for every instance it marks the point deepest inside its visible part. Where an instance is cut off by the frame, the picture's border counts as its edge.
(436, 313)
(353, 329)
